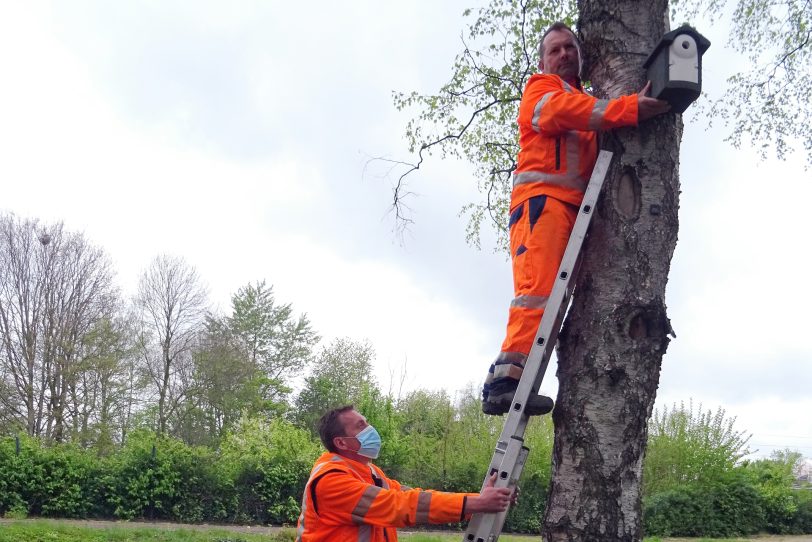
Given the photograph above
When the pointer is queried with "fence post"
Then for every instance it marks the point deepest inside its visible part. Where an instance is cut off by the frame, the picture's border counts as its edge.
(152, 484)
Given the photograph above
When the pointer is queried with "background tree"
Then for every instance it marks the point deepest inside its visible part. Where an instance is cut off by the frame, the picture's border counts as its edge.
(54, 288)
(224, 385)
(105, 390)
(277, 341)
(243, 362)
(773, 479)
(79, 293)
(172, 303)
(691, 447)
(21, 302)
(341, 374)
(766, 104)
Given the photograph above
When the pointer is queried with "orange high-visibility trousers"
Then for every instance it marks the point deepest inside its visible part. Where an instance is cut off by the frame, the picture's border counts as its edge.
(540, 228)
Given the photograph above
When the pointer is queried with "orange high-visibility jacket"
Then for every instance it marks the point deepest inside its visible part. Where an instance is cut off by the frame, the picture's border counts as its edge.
(557, 138)
(342, 502)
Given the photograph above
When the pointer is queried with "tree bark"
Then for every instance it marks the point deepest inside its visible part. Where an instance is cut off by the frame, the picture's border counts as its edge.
(612, 344)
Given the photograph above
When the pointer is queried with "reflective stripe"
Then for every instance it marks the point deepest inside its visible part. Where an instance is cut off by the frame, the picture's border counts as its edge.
(423, 507)
(567, 87)
(530, 301)
(365, 533)
(365, 503)
(507, 371)
(598, 112)
(566, 180)
(534, 122)
(510, 357)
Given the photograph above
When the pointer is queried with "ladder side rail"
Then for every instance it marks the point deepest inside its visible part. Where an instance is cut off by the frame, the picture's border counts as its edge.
(544, 342)
(509, 448)
(493, 523)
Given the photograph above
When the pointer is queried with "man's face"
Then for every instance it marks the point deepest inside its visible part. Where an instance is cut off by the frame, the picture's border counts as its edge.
(354, 423)
(560, 55)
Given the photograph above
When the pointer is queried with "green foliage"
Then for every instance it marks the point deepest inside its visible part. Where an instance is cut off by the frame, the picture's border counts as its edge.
(15, 471)
(58, 481)
(723, 509)
(802, 522)
(473, 116)
(773, 480)
(430, 440)
(107, 363)
(767, 104)
(243, 364)
(341, 375)
(269, 463)
(687, 447)
(276, 341)
(162, 478)
(18, 511)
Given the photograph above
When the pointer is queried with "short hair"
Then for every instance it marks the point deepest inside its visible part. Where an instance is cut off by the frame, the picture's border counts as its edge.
(330, 426)
(557, 26)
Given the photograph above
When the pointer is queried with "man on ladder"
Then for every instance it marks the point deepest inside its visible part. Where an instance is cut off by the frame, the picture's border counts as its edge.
(558, 143)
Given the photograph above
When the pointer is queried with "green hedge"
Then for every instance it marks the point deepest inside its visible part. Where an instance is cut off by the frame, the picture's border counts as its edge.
(729, 509)
(149, 478)
(160, 478)
(259, 472)
(60, 481)
(723, 510)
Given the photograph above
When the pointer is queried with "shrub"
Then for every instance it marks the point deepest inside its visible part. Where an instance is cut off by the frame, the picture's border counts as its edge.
(526, 516)
(688, 447)
(773, 480)
(60, 481)
(69, 486)
(730, 508)
(270, 463)
(802, 521)
(13, 469)
(162, 478)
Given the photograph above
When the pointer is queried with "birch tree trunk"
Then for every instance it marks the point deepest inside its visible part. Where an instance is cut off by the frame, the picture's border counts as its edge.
(613, 341)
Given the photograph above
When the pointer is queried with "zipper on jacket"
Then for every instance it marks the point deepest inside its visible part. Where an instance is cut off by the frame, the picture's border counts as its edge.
(558, 152)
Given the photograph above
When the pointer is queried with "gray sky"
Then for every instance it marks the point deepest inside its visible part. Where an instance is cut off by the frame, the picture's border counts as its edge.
(237, 138)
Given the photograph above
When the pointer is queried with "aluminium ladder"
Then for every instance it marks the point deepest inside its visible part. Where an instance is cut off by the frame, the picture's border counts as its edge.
(510, 454)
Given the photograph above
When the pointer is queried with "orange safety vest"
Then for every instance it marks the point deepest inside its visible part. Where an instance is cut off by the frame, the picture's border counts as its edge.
(557, 125)
(345, 500)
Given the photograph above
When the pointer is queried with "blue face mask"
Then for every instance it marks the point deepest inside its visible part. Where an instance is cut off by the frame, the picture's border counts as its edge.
(370, 442)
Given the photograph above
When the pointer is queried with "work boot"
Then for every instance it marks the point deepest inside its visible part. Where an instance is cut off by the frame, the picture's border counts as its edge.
(501, 383)
(537, 405)
(498, 404)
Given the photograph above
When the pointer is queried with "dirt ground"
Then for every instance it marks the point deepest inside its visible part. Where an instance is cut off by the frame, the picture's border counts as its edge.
(262, 529)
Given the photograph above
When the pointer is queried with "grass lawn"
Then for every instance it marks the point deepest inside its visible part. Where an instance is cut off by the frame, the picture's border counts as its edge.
(56, 531)
(53, 531)
(457, 537)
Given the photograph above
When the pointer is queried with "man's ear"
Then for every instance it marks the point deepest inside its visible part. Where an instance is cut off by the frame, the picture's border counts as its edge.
(338, 442)
(541, 65)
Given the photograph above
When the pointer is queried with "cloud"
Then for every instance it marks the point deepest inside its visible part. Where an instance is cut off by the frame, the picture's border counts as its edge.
(238, 139)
